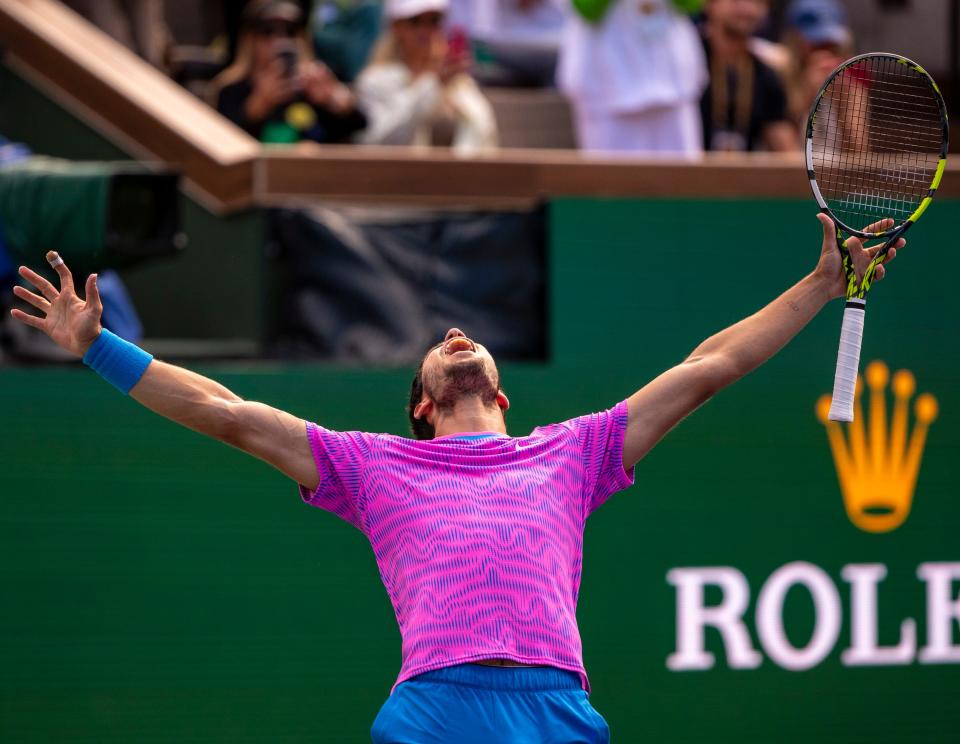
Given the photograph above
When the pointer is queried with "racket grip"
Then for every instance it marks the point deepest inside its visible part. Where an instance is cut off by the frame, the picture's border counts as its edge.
(848, 362)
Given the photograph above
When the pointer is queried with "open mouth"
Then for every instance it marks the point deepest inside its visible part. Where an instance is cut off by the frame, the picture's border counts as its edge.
(458, 343)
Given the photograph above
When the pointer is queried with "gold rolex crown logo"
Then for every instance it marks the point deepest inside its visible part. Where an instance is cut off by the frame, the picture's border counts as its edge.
(876, 465)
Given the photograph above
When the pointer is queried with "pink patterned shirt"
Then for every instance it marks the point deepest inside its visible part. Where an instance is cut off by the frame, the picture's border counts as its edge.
(478, 538)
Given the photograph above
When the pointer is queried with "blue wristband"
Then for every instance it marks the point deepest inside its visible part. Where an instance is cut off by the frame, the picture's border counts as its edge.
(119, 362)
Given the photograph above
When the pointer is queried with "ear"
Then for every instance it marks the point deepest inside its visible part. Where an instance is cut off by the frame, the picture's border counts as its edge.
(503, 401)
(424, 409)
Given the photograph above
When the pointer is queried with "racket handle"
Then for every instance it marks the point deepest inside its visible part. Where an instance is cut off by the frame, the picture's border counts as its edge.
(848, 361)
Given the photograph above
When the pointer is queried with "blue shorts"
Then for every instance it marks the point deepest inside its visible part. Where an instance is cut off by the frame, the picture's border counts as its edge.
(472, 704)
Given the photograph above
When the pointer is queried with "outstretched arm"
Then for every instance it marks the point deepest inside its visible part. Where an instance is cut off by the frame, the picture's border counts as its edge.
(733, 352)
(175, 393)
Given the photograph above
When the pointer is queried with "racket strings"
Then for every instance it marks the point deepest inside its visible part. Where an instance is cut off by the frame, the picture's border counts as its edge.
(877, 139)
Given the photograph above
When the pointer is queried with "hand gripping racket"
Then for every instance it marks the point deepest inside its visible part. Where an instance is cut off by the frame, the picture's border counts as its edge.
(876, 147)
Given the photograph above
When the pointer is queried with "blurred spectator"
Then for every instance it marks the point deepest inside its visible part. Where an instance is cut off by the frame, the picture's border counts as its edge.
(819, 40)
(517, 41)
(416, 89)
(344, 32)
(744, 106)
(634, 77)
(773, 54)
(137, 24)
(275, 89)
(233, 12)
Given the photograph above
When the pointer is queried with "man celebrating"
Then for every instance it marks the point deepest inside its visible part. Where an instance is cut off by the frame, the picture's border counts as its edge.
(478, 535)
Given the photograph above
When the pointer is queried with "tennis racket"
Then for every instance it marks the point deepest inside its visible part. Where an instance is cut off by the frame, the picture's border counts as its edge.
(876, 147)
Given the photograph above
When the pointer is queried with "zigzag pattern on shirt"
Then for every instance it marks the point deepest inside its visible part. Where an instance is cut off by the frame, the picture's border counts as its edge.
(479, 543)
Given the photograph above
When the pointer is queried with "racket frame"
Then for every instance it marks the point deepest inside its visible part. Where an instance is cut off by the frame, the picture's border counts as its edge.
(935, 183)
(851, 333)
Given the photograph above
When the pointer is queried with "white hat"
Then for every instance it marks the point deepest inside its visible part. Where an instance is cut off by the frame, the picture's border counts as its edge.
(399, 9)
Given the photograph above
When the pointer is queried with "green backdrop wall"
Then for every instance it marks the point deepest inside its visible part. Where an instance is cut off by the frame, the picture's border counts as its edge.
(229, 249)
(159, 587)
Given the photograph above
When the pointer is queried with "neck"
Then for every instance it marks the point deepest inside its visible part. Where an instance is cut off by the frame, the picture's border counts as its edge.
(468, 416)
(725, 45)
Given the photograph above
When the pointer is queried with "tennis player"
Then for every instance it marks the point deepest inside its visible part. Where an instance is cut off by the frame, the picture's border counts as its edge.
(478, 535)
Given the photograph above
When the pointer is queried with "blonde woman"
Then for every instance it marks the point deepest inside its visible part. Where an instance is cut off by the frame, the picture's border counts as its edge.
(416, 90)
(275, 90)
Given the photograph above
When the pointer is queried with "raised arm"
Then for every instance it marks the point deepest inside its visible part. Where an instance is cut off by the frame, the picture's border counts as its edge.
(735, 351)
(173, 392)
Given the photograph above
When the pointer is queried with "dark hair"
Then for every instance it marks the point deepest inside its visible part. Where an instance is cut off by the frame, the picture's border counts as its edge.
(421, 428)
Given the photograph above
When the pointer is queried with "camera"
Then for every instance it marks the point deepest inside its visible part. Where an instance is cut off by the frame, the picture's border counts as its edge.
(286, 50)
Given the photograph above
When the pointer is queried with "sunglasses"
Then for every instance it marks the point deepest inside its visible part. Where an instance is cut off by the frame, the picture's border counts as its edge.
(276, 28)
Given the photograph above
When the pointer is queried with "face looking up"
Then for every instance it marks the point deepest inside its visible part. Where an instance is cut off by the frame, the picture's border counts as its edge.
(458, 367)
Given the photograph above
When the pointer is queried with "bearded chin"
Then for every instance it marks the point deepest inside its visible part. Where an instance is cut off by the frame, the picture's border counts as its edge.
(467, 379)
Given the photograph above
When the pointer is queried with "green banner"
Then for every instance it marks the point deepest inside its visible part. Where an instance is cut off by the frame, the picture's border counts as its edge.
(766, 579)
(47, 202)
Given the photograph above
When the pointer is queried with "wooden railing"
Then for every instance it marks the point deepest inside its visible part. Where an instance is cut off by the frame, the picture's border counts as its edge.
(394, 174)
(152, 118)
(129, 102)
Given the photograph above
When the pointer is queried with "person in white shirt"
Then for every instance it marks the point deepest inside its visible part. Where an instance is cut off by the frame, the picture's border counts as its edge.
(634, 79)
(416, 89)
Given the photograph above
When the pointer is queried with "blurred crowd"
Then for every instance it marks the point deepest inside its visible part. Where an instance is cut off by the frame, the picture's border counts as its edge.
(644, 76)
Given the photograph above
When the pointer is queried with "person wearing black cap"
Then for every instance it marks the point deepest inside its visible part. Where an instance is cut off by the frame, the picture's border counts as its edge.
(275, 90)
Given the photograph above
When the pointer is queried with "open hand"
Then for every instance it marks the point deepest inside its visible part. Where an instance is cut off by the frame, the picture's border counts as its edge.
(830, 266)
(72, 323)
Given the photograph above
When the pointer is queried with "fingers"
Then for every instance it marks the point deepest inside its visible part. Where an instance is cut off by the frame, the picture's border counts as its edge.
(66, 278)
(829, 229)
(879, 225)
(891, 252)
(45, 287)
(36, 300)
(275, 70)
(881, 271)
(92, 294)
(30, 320)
